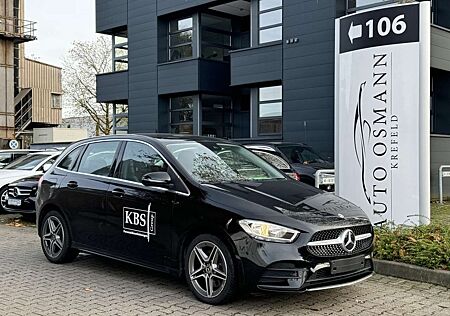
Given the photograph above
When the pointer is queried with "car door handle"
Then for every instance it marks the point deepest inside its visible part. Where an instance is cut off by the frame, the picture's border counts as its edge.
(118, 192)
(72, 184)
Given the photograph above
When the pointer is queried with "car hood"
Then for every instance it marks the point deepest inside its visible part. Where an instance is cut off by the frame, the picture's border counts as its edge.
(8, 176)
(287, 202)
(28, 181)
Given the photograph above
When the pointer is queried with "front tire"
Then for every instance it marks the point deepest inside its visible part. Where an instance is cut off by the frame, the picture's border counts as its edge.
(210, 270)
(55, 239)
(3, 199)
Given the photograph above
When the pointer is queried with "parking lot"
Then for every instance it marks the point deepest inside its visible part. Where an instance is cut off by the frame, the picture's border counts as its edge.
(29, 285)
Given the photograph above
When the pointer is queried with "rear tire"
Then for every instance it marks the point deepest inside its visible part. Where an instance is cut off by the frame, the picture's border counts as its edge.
(210, 270)
(55, 239)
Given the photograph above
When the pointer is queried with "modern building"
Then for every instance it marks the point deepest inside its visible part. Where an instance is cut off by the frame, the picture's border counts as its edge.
(245, 69)
(39, 101)
(30, 91)
(14, 31)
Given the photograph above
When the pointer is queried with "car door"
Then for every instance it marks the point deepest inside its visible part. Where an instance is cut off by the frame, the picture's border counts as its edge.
(84, 194)
(142, 215)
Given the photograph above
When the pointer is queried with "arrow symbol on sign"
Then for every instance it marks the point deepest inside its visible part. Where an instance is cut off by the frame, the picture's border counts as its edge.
(355, 31)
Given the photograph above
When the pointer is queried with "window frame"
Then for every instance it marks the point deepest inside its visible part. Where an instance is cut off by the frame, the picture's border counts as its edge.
(170, 33)
(270, 101)
(205, 43)
(75, 165)
(113, 164)
(122, 59)
(270, 26)
(57, 95)
(171, 111)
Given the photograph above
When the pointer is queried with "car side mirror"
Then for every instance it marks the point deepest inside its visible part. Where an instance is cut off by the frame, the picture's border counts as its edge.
(46, 167)
(157, 179)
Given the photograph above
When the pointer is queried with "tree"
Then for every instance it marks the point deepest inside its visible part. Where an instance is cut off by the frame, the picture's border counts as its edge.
(81, 64)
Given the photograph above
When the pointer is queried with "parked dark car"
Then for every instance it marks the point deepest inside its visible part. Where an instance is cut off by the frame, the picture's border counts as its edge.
(22, 195)
(302, 159)
(208, 209)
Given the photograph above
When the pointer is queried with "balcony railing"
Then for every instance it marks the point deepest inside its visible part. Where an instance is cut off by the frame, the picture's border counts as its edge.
(17, 30)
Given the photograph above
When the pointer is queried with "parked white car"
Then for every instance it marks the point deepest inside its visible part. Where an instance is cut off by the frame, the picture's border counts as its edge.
(24, 167)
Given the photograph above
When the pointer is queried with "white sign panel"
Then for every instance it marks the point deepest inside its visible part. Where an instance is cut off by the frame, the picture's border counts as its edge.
(382, 112)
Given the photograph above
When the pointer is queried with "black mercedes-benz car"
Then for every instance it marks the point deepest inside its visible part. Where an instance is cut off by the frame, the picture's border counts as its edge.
(208, 209)
(22, 196)
(302, 159)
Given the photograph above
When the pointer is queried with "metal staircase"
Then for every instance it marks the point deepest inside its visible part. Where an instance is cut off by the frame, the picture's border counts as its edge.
(23, 107)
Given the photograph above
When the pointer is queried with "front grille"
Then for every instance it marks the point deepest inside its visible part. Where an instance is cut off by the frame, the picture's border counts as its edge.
(334, 233)
(19, 192)
(336, 249)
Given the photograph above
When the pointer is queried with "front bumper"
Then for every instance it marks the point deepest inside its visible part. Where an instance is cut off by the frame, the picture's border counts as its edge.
(27, 206)
(290, 268)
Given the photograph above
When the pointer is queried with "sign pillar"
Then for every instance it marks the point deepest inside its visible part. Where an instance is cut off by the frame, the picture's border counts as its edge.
(382, 112)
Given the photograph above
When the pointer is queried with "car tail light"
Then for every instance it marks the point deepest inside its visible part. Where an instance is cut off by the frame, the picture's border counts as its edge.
(297, 176)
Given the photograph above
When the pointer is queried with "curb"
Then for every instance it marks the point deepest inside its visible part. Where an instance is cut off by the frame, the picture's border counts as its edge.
(412, 272)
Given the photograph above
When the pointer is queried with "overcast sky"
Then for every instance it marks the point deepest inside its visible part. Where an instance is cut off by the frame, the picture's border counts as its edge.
(59, 23)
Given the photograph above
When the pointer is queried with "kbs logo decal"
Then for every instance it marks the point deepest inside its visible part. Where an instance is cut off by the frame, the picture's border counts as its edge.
(139, 222)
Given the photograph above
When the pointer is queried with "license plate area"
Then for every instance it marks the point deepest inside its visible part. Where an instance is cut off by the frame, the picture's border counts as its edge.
(14, 202)
(347, 265)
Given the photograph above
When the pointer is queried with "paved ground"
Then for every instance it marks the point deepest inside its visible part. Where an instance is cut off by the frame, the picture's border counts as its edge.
(29, 285)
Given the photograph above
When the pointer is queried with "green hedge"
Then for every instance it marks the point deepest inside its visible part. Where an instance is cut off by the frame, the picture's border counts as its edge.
(425, 246)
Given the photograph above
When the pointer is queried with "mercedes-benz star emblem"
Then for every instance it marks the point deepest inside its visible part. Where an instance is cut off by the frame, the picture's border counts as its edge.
(348, 239)
(16, 192)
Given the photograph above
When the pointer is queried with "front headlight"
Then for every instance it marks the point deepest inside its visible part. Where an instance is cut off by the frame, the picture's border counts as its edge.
(268, 232)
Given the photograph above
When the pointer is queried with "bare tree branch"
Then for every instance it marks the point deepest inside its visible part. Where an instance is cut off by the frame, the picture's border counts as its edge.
(82, 63)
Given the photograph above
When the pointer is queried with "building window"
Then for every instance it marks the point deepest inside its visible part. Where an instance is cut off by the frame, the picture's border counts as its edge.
(120, 119)
(216, 116)
(215, 37)
(270, 21)
(182, 115)
(56, 100)
(353, 5)
(180, 38)
(120, 52)
(270, 110)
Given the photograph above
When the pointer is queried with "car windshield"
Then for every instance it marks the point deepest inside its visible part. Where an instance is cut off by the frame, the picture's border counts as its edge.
(300, 154)
(27, 162)
(215, 162)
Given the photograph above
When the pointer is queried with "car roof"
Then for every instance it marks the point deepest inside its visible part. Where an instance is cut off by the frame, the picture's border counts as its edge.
(48, 153)
(154, 136)
(19, 150)
(275, 144)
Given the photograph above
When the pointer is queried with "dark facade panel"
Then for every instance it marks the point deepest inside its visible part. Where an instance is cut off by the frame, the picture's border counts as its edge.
(142, 66)
(195, 75)
(442, 7)
(257, 65)
(308, 73)
(178, 77)
(112, 87)
(214, 76)
(110, 15)
(441, 102)
(169, 6)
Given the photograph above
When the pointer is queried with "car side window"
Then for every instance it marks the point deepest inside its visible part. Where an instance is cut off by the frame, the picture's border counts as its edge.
(98, 158)
(278, 162)
(68, 163)
(138, 160)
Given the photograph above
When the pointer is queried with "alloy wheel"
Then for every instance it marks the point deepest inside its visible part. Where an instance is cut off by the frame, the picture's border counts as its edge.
(53, 236)
(207, 269)
(4, 199)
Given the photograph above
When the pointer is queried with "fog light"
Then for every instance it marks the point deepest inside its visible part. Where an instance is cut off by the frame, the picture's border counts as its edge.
(298, 282)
